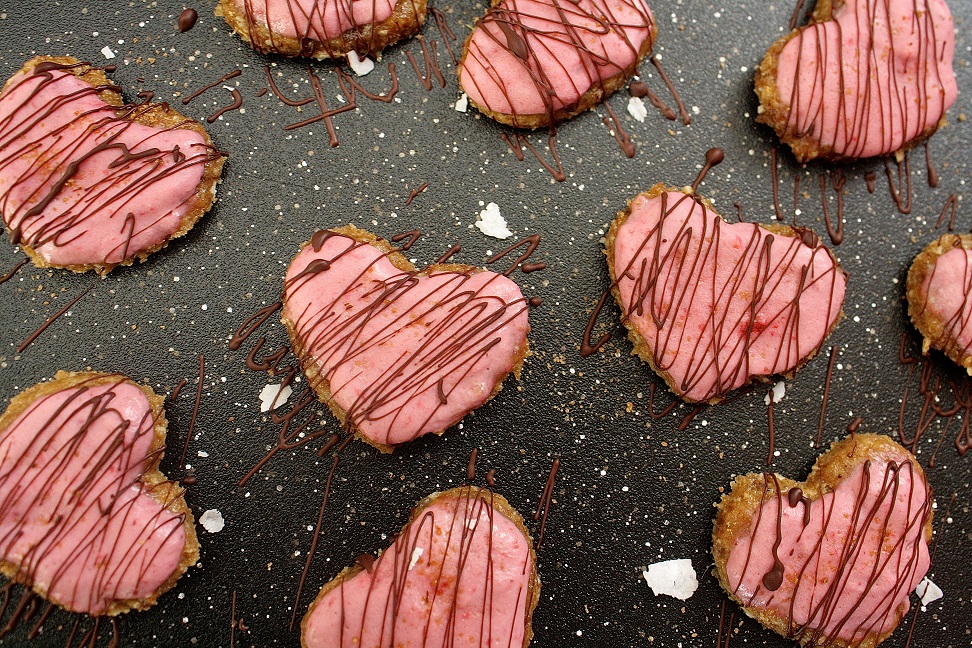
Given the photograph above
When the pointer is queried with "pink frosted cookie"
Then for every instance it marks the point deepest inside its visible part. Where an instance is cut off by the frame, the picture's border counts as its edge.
(534, 63)
(829, 561)
(939, 293)
(86, 519)
(396, 353)
(322, 28)
(712, 305)
(461, 573)
(89, 183)
(865, 78)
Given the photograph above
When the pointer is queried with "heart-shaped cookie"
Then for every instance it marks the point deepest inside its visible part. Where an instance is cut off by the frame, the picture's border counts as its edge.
(87, 182)
(461, 573)
(865, 78)
(829, 561)
(533, 63)
(939, 293)
(86, 519)
(396, 353)
(712, 305)
(322, 28)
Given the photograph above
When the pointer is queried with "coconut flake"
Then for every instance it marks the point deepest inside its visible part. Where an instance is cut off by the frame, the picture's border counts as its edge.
(928, 592)
(776, 394)
(271, 392)
(637, 108)
(107, 53)
(212, 521)
(416, 554)
(673, 578)
(462, 103)
(360, 66)
(492, 223)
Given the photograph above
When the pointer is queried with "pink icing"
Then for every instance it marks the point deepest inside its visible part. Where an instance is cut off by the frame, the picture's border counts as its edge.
(393, 346)
(73, 516)
(946, 289)
(848, 572)
(713, 306)
(569, 48)
(873, 78)
(459, 575)
(319, 20)
(111, 208)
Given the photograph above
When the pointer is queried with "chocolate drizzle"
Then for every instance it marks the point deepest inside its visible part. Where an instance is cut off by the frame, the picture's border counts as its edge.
(50, 320)
(837, 179)
(431, 65)
(413, 194)
(902, 202)
(682, 111)
(932, 173)
(543, 508)
(950, 204)
(532, 242)
(7, 277)
(195, 409)
(516, 142)
(617, 131)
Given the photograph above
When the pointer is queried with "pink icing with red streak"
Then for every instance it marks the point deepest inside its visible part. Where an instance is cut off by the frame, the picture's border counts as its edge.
(719, 303)
(946, 289)
(320, 20)
(393, 345)
(849, 571)
(872, 79)
(74, 517)
(109, 210)
(568, 48)
(458, 575)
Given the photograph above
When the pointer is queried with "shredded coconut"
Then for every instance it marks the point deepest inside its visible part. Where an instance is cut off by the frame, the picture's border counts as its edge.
(212, 521)
(673, 578)
(776, 394)
(416, 554)
(492, 223)
(271, 392)
(637, 108)
(107, 53)
(928, 592)
(462, 103)
(360, 66)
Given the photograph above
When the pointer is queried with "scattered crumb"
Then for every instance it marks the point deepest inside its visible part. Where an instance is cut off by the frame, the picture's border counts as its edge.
(492, 223)
(674, 578)
(776, 394)
(107, 53)
(212, 521)
(928, 592)
(637, 108)
(360, 66)
(462, 103)
(271, 392)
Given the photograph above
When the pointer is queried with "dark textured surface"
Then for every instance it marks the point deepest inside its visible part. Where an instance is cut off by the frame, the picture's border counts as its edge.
(631, 491)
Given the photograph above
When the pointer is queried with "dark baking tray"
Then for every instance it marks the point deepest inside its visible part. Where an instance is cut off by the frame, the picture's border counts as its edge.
(630, 490)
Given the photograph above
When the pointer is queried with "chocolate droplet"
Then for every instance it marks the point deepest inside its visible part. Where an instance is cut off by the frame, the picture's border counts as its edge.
(187, 19)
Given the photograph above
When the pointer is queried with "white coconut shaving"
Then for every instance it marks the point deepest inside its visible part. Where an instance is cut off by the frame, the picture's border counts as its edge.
(107, 53)
(776, 394)
(271, 392)
(416, 554)
(674, 578)
(492, 223)
(462, 103)
(212, 521)
(360, 66)
(637, 108)
(928, 592)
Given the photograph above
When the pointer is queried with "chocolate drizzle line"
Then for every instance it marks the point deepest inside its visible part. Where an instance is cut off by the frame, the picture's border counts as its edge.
(178, 389)
(617, 131)
(832, 610)
(950, 204)
(543, 507)
(85, 426)
(471, 468)
(415, 192)
(795, 18)
(826, 394)
(65, 151)
(838, 179)
(195, 410)
(7, 277)
(713, 157)
(531, 242)
(223, 79)
(412, 237)
(932, 173)
(444, 32)
(50, 320)
(774, 174)
(516, 142)
(724, 628)
(904, 177)
(683, 113)
(237, 103)
(771, 430)
(448, 254)
(586, 347)
(232, 641)
(431, 65)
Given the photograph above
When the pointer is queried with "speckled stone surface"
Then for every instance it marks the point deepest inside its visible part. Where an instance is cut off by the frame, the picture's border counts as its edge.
(631, 490)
